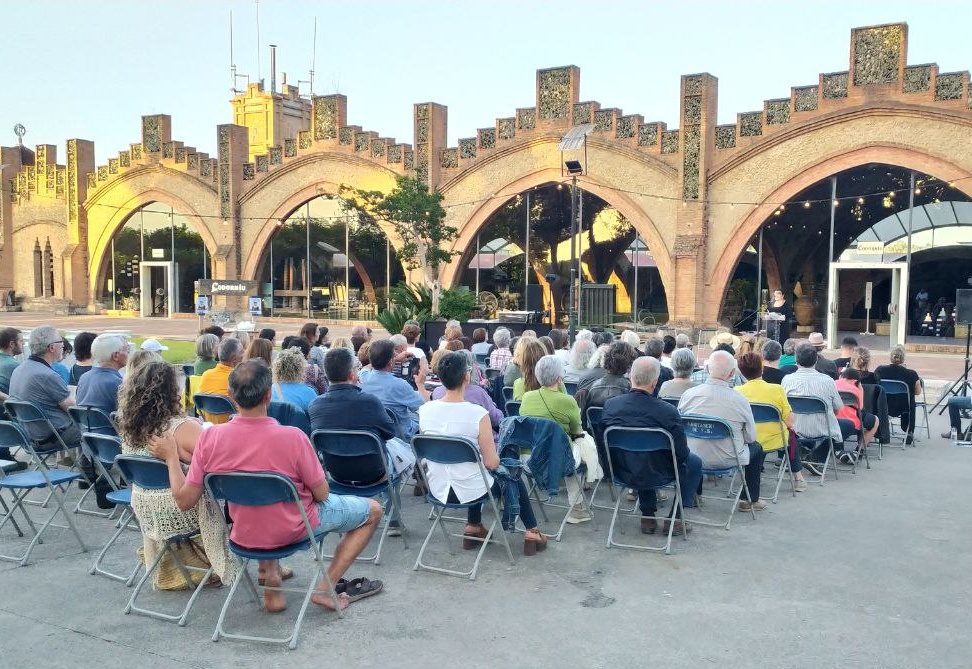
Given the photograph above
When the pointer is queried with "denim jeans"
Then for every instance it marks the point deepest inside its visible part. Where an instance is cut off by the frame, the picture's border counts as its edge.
(474, 514)
(956, 404)
(690, 483)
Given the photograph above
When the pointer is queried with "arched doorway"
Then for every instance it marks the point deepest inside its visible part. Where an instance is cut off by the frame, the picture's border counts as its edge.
(523, 253)
(352, 264)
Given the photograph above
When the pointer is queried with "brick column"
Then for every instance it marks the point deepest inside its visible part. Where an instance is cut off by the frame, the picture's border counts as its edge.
(78, 285)
(431, 123)
(10, 157)
(233, 147)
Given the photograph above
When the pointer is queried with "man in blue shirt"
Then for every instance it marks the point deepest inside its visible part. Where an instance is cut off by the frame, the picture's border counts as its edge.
(99, 387)
(394, 392)
(11, 345)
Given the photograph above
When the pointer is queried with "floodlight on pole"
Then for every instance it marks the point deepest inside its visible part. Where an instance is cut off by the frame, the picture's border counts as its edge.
(576, 138)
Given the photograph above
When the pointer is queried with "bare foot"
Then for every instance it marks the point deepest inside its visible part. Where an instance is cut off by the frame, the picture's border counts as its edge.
(274, 601)
(322, 599)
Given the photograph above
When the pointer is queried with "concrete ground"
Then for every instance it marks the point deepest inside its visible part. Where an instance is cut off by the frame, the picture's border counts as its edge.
(867, 571)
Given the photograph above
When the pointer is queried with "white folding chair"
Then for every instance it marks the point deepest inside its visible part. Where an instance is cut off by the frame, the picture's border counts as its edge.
(710, 428)
(770, 414)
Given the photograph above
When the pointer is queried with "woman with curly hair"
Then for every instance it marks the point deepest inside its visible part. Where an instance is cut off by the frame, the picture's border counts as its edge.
(288, 379)
(149, 405)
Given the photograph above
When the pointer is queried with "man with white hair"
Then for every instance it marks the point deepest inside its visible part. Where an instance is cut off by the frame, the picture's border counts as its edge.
(717, 399)
(682, 340)
(640, 408)
(501, 355)
(654, 349)
(99, 387)
(405, 361)
(580, 355)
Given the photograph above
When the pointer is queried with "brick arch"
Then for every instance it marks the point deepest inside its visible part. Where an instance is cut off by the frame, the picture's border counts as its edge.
(793, 183)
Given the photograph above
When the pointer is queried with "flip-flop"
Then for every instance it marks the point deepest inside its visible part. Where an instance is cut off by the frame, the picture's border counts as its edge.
(359, 588)
(286, 573)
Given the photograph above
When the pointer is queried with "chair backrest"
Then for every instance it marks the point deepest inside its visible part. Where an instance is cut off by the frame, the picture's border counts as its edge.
(217, 405)
(92, 419)
(445, 450)
(105, 447)
(808, 406)
(892, 387)
(640, 441)
(491, 373)
(765, 413)
(252, 488)
(144, 471)
(594, 416)
(512, 407)
(671, 400)
(13, 436)
(28, 415)
(188, 370)
(707, 428)
(287, 413)
(850, 399)
(482, 358)
(507, 393)
(352, 457)
(571, 387)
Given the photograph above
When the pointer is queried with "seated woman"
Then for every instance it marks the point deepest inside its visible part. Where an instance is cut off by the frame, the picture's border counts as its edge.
(474, 393)
(533, 350)
(580, 355)
(82, 357)
(313, 374)
(288, 379)
(861, 361)
(513, 372)
(149, 406)
(206, 345)
(768, 434)
(683, 364)
(260, 348)
(617, 363)
(453, 415)
(849, 381)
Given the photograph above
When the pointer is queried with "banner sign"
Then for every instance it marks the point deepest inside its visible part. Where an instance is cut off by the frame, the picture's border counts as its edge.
(870, 248)
(256, 306)
(227, 287)
(202, 305)
(868, 289)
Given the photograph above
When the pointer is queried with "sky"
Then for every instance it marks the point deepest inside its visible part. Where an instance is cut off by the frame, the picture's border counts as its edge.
(92, 69)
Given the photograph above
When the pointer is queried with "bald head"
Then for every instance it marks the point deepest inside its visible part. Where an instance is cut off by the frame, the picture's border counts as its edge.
(644, 373)
(721, 365)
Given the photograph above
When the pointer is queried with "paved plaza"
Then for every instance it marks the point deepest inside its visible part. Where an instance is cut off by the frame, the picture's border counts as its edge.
(867, 571)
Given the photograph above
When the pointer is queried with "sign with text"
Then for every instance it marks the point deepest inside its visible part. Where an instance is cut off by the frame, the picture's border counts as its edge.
(256, 306)
(227, 287)
(158, 253)
(870, 248)
(868, 289)
(202, 305)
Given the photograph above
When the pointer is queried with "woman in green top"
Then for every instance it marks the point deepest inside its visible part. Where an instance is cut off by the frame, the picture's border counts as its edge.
(789, 346)
(206, 345)
(550, 400)
(532, 351)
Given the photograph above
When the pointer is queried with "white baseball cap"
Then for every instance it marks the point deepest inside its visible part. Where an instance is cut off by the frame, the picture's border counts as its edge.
(153, 345)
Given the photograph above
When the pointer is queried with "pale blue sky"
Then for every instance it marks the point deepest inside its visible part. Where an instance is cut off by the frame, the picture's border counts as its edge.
(91, 69)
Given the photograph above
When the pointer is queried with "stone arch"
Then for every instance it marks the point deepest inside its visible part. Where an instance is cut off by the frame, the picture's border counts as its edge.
(476, 194)
(284, 191)
(793, 177)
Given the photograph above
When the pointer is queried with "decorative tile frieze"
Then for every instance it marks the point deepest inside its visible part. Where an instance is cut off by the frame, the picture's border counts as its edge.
(362, 141)
(693, 109)
(725, 136)
(916, 79)
(262, 164)
(554, 94)
(290, 148)
(603, 120)
(151, 134)
(805, 99)
(125, 158)
(669, 141)
(507, 128)
(180, 155)
(526, 119)
(693, 85)
(395, 153)
(877, 52)
(168, 150)
(304, 139)
(378, 149)
(276, 155)
(487, 138)
(692, 139)
(450, 158)
(467, 148)
(625, 127)
(113, 166)
(751, 124)
(835, 85)
(648, 134)
(583, 112)
(325, 110)
(248, 172)
(778, 111)
(948, 86)
(346, 136)
(192, 162)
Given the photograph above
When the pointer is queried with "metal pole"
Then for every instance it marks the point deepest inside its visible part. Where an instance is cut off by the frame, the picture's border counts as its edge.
(634, 299)
(833, 214)
(271, 274)
(573, 257)
(141, 232)
(387, 273)
(759, 274)
(526, 259)
(347, 268)
(832, 315)
(173, 297)
(911, 214)
(114, 278)
(478, 249)
(307, 259)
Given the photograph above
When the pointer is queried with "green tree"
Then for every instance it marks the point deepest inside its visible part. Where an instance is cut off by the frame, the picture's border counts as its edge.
(417, 215)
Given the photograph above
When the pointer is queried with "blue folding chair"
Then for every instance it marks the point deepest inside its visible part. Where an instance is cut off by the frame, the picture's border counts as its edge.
(264, 489)
(47, 441)
(710, 428)
(770, 414)
(671, 400)
(507, 393)
(850, 400)
(641, 442)
(898, 391)
(596, 429)
(152, 474)
(482, 359)
(22, 483)
(357, 464)
(211, 405)
(571, 387)
(287, 413)
(92, 420)
(812, 406)
(103, 449)
(512, 407)
(491, 373)
(444, 450)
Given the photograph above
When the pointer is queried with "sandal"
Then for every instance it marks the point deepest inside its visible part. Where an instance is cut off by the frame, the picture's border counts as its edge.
(531, 546)
(286, 573)
(360, 588)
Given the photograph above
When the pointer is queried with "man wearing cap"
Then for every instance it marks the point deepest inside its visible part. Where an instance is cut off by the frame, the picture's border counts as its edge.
(153, 345)
(824, 366)
(99, 387)
(216, 380)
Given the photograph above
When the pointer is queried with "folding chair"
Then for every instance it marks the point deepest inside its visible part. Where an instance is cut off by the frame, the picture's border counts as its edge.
(596, 428)
(289, 414)
(810, 406)
(28, 415)
(642, 442)
(709, 428)
(923, 405)
(21, 483)
(491, 373)
(768, 413)
(357, 464)
(103, 450)
(152, 474)
(263, 489)
(671, 400)
(213, 405)
(445, 450)
(482, 358)
(507, 393)
(571, 387)
(900, 390)
(94, 421)
(850, 400)
(513, 407)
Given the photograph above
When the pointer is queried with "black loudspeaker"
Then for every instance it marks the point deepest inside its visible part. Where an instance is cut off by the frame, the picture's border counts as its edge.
(534, 297)
(963, 305)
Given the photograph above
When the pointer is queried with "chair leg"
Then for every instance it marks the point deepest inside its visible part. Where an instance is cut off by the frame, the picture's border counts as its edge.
(6, 513)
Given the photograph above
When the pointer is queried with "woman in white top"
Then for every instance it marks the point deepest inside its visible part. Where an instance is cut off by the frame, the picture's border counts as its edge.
(461, 483)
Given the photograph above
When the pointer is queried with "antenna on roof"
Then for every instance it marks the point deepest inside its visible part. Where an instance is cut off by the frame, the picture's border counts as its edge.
(259, 67)
(234, 77)
(313, 62)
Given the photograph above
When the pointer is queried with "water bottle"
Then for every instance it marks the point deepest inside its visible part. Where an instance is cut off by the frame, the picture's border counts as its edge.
(954, 437)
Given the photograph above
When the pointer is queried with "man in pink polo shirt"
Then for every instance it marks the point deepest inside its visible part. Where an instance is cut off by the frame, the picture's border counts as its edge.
(253, 442)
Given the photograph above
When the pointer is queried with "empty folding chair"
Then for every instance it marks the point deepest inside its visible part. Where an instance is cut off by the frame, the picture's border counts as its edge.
(93, 420)
(445, 450)
(850, 400)
(810, 406)
(769, 413)
(22, 483)
(512, 408)
(264, 489)
(922, 405)
(103, 449)
(152, 474)
(709, 428)
(899, 393)
(211, 406)
(482, 359)
(357, 464)
(635, 446)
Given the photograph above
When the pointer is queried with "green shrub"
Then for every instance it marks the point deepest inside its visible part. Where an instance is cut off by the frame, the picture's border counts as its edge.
(457, 303)
(393, 320)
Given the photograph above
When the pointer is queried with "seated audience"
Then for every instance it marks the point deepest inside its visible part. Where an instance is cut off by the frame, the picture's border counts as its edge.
(216, 380)
(254, 442)
(501, 354)
(288, 379)
(206, 346)
(772, 351)
(260, 348)
(11, 346)
(669, 348)
(847, 346)
(313, 375)
(716, 398)
(861, 361)
(479, 344)
(214, 330)
(640, 408)
(653, 349)
(309, 333)
(595, 369)
(395, 393)
(270, 335)
(789, 349)
(476, 394)
(561, 344)
(416, 346)
(824, 365)
(532, 352)
(580, 355)
(99, 387)
(683, 341)
(849, 381)
(631, 338)
(897, 405)
(82, 357)
(956, 405)
(547, 344)
(617, 363)
(359, 335)
(683, 364)
(700, 376)
(513, 372)
(453, 415)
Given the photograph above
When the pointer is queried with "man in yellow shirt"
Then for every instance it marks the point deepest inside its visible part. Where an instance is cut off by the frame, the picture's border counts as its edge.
(216, 380)
(756, 390)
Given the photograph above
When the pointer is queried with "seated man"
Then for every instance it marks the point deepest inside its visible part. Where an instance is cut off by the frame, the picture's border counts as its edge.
(824, 365)
(806, 381)
(847, 346)
(898, 405)
(252, 442)
(955, 406)
(394, 392)
(216, 380)
(640, 408)
(772, 352)
(654, 348)
(99, 387)
(716, 398)
(11, 345)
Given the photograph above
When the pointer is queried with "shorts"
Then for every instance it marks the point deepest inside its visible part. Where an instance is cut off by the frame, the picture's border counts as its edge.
(343, 513)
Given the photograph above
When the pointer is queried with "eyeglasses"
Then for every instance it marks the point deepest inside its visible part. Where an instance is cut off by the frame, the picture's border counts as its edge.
(62, 342)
